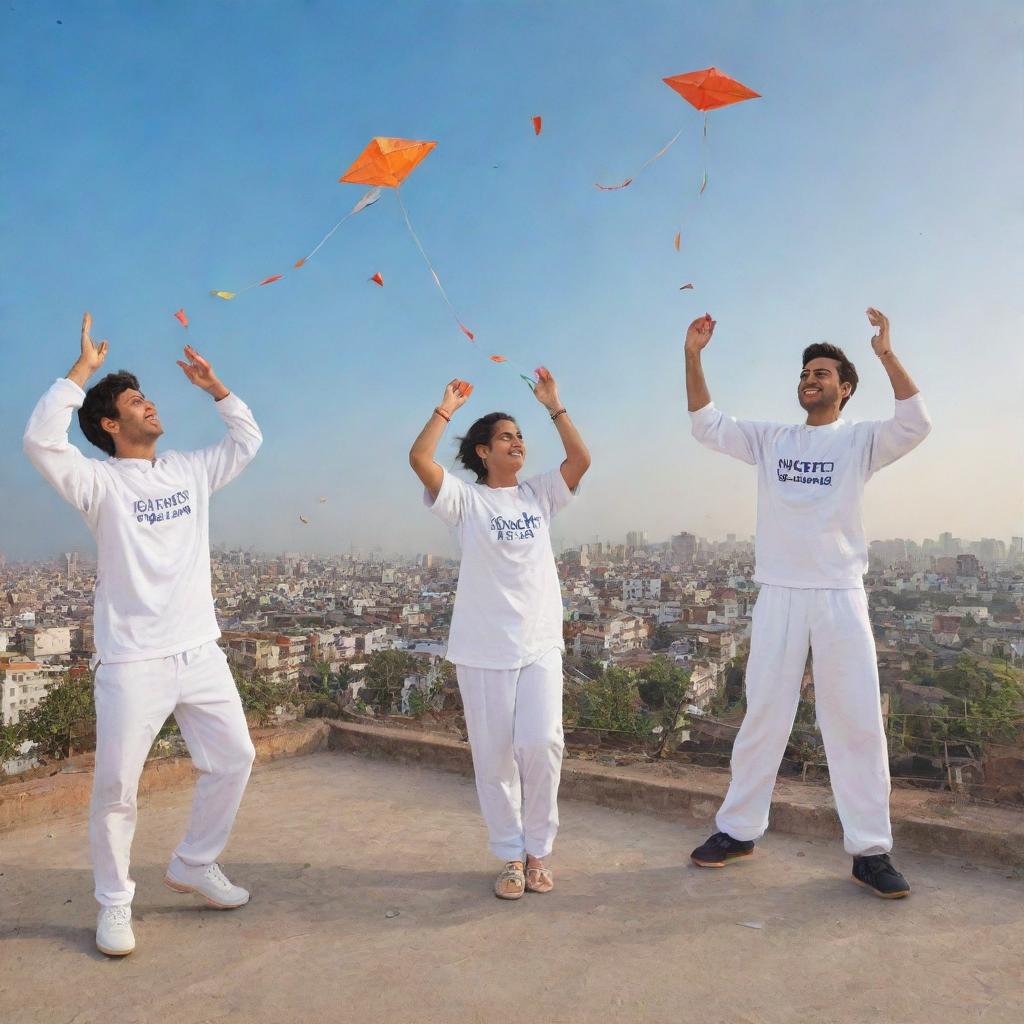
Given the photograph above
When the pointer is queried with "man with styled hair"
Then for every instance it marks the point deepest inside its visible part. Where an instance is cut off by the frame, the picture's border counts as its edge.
(810, 559)
(155, 627)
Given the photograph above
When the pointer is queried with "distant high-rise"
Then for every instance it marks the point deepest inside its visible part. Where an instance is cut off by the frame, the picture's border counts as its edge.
(967, 565)
(636, 539)
(684, 547)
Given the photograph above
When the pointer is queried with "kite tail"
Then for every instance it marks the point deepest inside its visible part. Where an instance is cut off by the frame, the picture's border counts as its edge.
(367, 200)
(323, 240)
(704, 150)
(657, 156)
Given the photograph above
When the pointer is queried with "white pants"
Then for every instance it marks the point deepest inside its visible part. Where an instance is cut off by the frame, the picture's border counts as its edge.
(836, 626)
(514, 719)
(132, 703)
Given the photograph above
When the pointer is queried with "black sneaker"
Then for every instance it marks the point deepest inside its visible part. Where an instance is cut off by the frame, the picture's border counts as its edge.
(878, 874)
(720, 849)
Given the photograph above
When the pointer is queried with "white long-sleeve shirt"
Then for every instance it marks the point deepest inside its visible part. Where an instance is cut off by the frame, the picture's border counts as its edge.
(810, 488)
(151, 524)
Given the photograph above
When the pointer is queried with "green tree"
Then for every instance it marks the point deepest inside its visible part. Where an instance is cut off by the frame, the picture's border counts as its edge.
(322, 684)
(662, 684)
(612, 703)
(260, 697)
(990, 706)
(10, 741)
(661, 639)
(386, 671)
(341, 679)
(52, 723)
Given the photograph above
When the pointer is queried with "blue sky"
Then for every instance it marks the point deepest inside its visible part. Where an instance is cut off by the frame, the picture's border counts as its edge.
(159, 150)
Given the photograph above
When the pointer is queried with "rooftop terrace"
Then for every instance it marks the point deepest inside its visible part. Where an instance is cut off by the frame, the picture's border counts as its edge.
(372, 902)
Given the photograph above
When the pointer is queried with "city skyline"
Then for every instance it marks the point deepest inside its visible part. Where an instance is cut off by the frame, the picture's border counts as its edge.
(989, 550)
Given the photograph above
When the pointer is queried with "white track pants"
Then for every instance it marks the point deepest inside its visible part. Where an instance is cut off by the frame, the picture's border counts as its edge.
(132, 703)
(836, 626)
(514, 719)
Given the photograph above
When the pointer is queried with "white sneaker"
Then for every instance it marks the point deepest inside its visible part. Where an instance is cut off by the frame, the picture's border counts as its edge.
(114, 935)
(208, 881)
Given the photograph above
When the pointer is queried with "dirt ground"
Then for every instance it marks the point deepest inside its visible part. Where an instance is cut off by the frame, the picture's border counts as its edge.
(371, 888)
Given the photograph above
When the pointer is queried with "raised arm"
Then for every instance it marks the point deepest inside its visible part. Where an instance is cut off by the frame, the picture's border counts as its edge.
(226, 459)
(46, 442)
(577, 458)
(421, 455)
(911, 424)
(710, 426)
(902, 385)
(698, 335)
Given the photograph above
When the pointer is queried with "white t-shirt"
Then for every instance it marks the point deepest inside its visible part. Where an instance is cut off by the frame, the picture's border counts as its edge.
(508, 604)
(151, 525)
(810, 486)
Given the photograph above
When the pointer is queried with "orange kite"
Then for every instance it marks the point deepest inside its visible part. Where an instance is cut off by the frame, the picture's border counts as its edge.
(709, 89)
(706, 90)
(386, 163)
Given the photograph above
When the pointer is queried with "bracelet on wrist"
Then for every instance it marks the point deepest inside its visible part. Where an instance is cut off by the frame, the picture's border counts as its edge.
(447, 419)
(555, 415)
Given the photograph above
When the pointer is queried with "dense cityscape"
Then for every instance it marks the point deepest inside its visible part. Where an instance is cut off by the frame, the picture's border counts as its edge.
(656, 636)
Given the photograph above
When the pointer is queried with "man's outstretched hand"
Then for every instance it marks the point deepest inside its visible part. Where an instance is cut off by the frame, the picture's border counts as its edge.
(200, 373)
(91, 357)
(880, 342)
(698, 334)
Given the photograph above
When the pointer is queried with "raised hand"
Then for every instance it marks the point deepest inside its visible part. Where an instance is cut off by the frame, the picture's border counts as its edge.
(698, 334)
(880, 342)
(200, 373)
(455, 395)
(91, 357)
(546, 390)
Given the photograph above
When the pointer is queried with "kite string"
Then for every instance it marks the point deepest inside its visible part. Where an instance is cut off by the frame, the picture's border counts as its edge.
(440, 287)
(323, 240)
(367, 200)
(661, 152)
(423, 253)
(643, 167)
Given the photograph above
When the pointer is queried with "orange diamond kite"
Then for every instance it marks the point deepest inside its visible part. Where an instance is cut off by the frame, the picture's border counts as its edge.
(387, 162)
(709, 89)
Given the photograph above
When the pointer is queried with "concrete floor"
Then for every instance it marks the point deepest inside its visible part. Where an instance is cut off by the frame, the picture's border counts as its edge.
(332, 845)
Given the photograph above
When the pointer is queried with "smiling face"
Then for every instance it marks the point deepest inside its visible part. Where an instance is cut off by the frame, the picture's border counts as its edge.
(137, 423)
(820, 388)
(506, 453)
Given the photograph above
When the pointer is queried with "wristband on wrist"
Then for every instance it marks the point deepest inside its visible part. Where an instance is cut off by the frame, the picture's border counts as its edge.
(555, 415)
(447, 419)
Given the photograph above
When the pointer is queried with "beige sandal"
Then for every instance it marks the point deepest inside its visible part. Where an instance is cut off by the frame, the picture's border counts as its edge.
(511, 882)
(539, 879)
